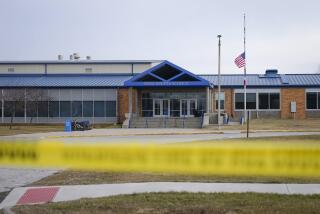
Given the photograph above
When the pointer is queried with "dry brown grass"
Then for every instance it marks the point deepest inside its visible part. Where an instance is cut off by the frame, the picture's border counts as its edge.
(40, 128)
(279, 124)
(189, 203)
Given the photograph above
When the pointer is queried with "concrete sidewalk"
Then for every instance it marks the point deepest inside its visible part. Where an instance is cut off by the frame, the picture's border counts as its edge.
(74, 192)
(147, 135)
(120, 132)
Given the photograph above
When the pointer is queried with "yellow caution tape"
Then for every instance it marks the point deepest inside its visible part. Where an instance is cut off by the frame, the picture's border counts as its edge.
(268, 159)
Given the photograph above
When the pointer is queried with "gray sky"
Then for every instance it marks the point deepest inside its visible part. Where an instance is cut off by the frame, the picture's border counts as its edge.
(280, 34)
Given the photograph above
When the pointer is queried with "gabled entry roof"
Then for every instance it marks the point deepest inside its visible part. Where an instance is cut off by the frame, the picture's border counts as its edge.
(166, 74)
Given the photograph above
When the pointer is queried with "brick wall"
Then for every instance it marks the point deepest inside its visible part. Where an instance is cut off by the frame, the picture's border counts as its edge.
(289, 95)
(228, 102)
(123, 103)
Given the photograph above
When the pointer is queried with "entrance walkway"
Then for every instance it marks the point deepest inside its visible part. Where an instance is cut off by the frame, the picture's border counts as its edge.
(23, 195)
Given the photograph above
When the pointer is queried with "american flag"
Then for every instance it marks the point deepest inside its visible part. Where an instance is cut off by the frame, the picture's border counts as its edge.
(240, 61)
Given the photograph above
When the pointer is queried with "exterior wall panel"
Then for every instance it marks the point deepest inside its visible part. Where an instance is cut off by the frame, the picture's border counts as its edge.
(96, 68)
(23, 69)
(139, 68)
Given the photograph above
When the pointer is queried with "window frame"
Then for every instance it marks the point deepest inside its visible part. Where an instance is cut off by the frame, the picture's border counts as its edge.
(269, 101)
(248, 92)
(317, 91)
(257, 92)
(216, 100)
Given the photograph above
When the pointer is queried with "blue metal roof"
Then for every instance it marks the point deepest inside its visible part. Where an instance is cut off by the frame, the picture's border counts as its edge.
(167, 74)
(63, 80)
(104, 80)
(256, 80)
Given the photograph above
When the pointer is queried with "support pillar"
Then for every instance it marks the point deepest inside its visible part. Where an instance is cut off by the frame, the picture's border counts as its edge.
(208, 100)
(130, 100)
(2, 106)
(137, 102)
(25, 105)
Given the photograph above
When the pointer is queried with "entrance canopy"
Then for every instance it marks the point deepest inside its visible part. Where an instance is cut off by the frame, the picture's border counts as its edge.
(167, 74)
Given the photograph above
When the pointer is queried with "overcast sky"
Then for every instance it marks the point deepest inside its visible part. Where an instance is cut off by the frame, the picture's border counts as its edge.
(282, 34)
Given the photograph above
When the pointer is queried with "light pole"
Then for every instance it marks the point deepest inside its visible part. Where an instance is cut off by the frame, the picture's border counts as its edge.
(219, 84)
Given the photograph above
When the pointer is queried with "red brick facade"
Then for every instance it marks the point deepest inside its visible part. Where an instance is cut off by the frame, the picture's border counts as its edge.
(289, 95)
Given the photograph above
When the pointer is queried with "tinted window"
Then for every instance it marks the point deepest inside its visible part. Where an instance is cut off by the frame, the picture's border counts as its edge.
(274, 101)
(31, 109)
(76, 109)
(8, 108)
(65, 109)
(43, 109)
(239, 101)
(99, 109)
(53, 109)
(110, 108)
(263, 101)
(312, 100)
(87, 108)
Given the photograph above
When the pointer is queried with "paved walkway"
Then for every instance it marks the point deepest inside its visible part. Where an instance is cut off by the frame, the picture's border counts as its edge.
(147, 132)
(16, 177)
(147, 135)
(74, 192)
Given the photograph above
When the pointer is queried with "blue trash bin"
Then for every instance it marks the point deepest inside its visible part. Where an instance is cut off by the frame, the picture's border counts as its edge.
(68, 126)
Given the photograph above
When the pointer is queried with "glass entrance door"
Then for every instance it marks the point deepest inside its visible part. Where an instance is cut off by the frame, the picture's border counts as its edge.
(161, 107)
(188, 107)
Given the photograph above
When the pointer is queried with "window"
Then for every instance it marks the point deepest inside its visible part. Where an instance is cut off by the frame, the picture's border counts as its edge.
(312, 100)
(99, 108)
(87, 108)
(263, 101)
(53, 109)
(19, 108)
(269, 101)
(147, 105)
(31, 109)
(111, 108)
(221, 100)
(43, 109)
(9, 108)
(201, 106)
(76, 109)
(274, 101)
(239, 101)
(251, 101)
(65, 109)
(175, 108)
(10, 70)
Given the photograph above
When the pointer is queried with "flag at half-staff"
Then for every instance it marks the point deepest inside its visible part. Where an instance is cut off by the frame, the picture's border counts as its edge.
(240, 61)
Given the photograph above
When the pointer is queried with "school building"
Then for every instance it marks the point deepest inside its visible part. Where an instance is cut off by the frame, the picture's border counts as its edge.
(146, 93)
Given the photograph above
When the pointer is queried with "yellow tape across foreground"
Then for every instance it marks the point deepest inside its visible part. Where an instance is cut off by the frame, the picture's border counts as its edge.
(216, 158)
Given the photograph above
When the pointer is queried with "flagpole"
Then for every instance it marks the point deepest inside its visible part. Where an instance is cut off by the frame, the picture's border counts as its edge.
(219, 84)
(245, 69)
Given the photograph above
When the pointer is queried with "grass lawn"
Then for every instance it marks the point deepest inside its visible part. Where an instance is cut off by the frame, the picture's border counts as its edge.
(276, 139)
(69, 177)
(278, 124)
(38, 128)
(231, 203)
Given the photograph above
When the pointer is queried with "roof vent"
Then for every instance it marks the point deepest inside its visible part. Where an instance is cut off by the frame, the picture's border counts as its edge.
(76, 56)
(60, 57)
(271, 72)
(88, 57)
(71, 57)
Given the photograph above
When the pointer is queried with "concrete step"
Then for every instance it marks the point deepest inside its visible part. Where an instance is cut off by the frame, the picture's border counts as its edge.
(192, 122)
